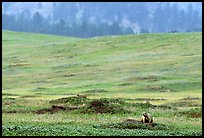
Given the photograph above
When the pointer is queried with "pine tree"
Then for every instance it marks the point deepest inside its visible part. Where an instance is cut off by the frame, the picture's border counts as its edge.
(37, 22)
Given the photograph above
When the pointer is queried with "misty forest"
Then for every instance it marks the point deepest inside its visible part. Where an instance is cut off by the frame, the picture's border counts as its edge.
(90, 19)
(102, 68)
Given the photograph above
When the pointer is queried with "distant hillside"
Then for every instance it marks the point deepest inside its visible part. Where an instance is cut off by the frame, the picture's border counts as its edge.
(123, 64)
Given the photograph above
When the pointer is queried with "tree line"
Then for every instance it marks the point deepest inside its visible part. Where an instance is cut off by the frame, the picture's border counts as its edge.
(39, 24)
(159, 18)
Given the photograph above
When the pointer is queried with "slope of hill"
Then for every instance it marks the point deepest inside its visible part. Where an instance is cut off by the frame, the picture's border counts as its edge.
(122, 65)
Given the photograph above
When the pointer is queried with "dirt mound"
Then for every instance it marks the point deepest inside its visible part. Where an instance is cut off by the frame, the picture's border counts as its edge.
(85, 105)
(134, 124)
(99, 106)
(54, 109)
(132, 121)
(75, 100)
(104, 105)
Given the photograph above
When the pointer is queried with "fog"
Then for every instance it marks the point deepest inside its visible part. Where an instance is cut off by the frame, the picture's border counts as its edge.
(89, 19)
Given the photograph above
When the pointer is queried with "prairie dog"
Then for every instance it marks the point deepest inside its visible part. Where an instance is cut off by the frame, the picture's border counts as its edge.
(146, 118)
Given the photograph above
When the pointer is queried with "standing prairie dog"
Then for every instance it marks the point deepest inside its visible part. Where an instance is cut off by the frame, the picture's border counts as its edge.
(146, 118)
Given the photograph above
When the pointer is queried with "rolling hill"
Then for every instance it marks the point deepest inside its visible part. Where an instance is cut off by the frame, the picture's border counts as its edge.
(121, 65)
(122, 77)
(126, 66)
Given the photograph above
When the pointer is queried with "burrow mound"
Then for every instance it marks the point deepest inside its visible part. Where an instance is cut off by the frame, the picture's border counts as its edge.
(54, 109)
(75, 100)
(104, 105)
(84, 105)
(133, 124)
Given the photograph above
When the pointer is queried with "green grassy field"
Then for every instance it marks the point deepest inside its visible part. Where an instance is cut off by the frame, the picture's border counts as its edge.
(165, 69)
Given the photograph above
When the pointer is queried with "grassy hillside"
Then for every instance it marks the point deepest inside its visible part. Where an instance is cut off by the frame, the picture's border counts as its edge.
(122, 65)
(38, 68)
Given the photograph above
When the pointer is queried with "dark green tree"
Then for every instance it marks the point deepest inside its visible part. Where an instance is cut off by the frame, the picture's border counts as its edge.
(38, 25)
(115, 29)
